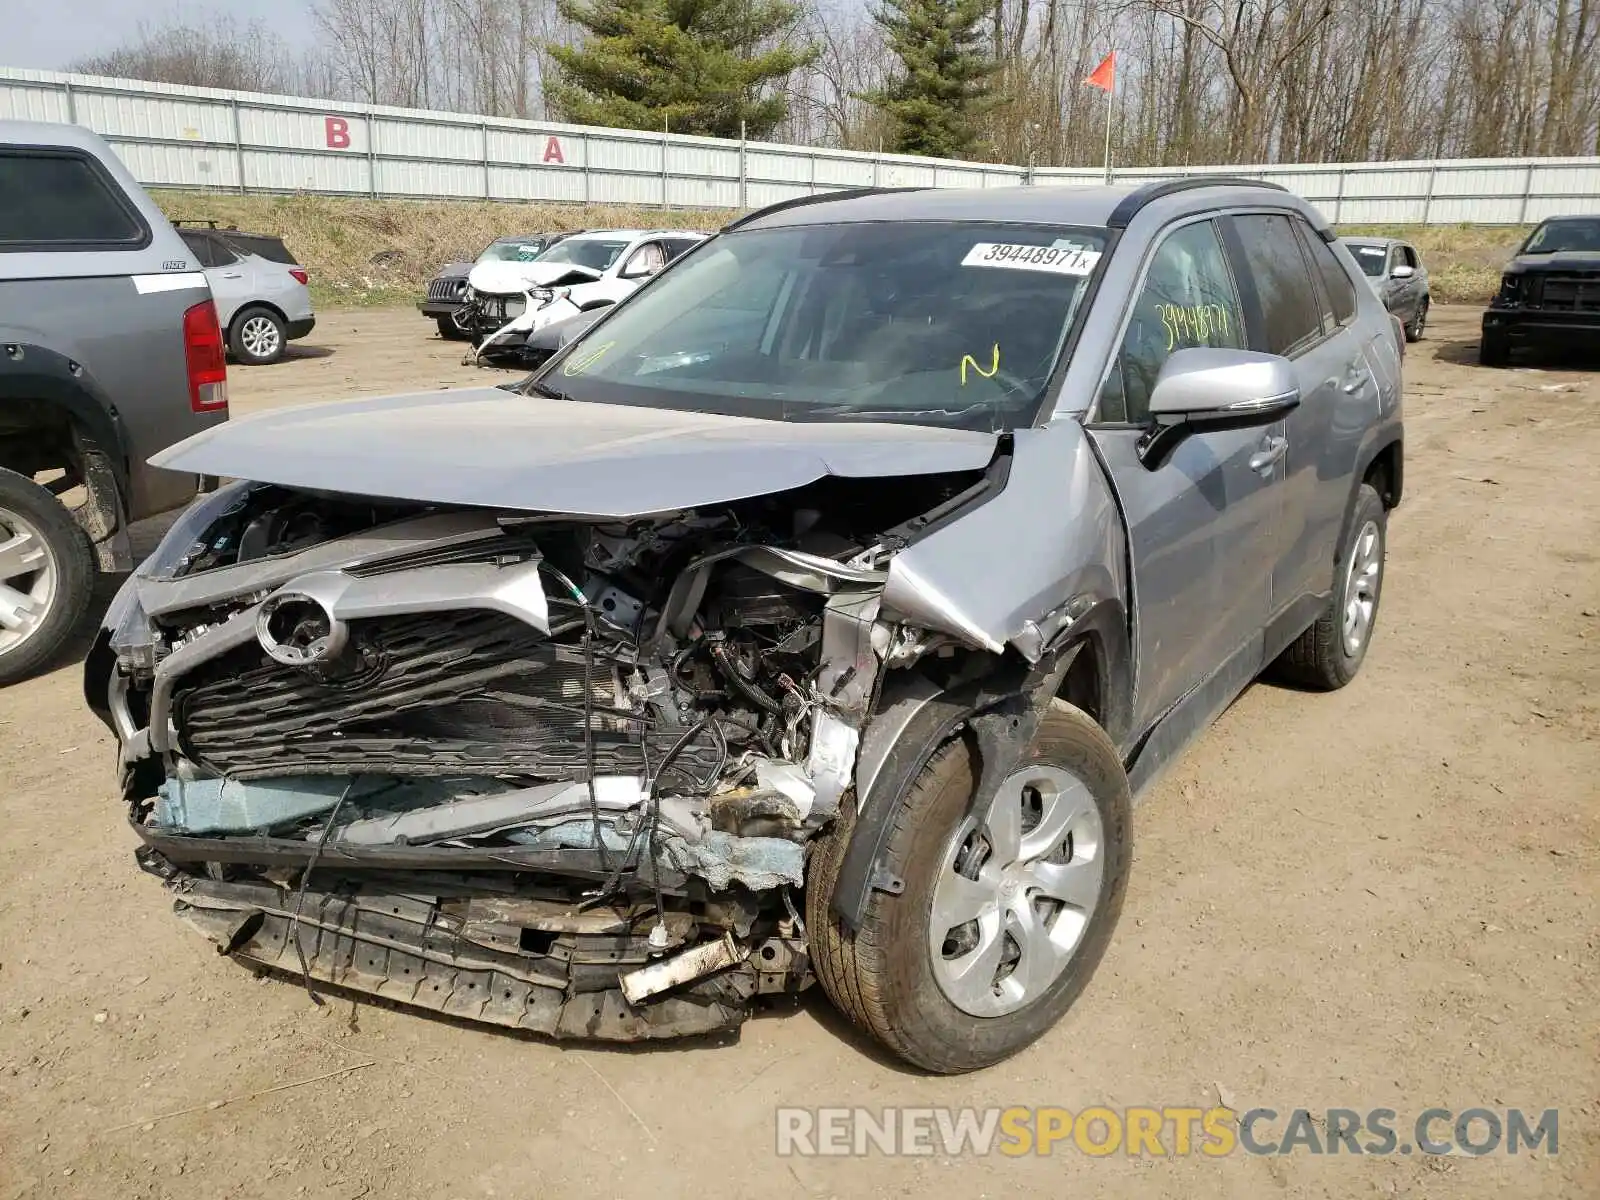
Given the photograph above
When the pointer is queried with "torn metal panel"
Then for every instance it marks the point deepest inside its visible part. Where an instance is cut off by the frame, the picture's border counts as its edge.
(161, 596)
(970, 579)
(695, 963)
(231, 806)
(483, 814)
(417, 958)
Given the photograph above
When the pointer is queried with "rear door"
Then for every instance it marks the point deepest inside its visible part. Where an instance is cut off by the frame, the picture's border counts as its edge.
(1202, 526)
(1297, 308)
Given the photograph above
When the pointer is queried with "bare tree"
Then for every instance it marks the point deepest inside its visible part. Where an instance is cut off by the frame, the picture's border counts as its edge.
(199, 53)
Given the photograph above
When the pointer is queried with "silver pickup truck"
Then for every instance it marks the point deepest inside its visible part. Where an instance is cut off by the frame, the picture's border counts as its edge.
(109, 351)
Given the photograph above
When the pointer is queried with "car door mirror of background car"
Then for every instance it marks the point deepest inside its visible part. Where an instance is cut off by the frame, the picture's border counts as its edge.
(1202, 389)
(1402, 272)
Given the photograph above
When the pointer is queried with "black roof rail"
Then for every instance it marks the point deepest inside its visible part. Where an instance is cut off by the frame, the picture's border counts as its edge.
(1128, 207)
(802, 201)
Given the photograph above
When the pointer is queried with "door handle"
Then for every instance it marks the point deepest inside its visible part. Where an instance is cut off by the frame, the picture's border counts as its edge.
(233, 275)
(1264, 459)
(1355, 380)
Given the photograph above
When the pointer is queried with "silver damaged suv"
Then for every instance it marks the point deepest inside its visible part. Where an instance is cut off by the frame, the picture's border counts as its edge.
(816, 614)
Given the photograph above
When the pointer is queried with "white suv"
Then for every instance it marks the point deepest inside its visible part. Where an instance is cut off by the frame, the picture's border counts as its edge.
(263, 300)
(507, 301)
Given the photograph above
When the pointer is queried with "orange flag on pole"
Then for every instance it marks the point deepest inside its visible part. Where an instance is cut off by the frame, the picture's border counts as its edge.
(1104, 76)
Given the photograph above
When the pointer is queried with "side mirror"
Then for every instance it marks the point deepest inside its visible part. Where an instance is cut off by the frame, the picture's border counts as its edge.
(1402, 272)
(1201, 389)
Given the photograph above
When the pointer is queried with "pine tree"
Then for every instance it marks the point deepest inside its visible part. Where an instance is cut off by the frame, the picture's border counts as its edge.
(693, 66)
(944, 80)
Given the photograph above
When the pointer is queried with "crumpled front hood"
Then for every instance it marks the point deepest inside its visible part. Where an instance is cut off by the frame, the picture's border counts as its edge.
(491, 448)
(1575, 261)
(510, 278)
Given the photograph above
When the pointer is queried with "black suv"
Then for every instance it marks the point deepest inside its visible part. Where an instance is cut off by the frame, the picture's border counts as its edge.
(1550, 293)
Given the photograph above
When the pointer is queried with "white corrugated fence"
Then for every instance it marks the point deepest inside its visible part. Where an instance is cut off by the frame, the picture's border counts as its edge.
(247, 142)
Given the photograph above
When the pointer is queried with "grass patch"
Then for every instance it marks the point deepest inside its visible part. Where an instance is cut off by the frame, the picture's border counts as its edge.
(380, 252)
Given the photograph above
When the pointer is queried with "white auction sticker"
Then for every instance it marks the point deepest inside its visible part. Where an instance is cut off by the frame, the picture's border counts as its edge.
(1064, 259)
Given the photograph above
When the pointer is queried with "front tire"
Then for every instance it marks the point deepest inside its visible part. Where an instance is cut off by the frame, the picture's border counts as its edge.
(47, 574)
(1328, 654)
(257, 337)
(449, 330)
(1494, 350)
(1004, 915)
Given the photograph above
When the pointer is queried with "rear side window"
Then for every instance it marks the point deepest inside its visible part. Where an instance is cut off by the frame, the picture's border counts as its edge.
(207, 248)
(262, 245)
(61, 200)
(1290, 317)
(1337, 290)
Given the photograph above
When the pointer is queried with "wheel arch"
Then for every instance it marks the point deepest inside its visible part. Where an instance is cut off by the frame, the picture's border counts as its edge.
(53, 414)
(1087, 665)
(249, 306)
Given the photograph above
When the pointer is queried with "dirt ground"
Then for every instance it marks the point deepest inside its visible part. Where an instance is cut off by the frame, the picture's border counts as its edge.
(1384, 897)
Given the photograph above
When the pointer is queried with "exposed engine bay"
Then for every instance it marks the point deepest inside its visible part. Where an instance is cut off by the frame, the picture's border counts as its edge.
(542, 771)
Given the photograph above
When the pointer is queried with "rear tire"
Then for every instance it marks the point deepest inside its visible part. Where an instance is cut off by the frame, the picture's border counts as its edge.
(47, 576)
(1419, 322)
(1328, 654)
(257, 337)
(885, 977)
(1494, 350)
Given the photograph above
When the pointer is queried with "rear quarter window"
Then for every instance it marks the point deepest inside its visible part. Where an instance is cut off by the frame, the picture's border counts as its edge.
(64, 200)
(264, 246)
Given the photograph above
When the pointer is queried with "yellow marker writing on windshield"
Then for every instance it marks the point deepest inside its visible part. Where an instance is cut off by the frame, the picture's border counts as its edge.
(994, 365)
(583, 362)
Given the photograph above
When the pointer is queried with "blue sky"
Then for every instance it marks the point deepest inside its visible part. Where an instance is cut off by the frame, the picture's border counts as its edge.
(50, 35)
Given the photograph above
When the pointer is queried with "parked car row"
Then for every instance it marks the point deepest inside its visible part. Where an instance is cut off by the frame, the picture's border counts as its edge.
(519, 286)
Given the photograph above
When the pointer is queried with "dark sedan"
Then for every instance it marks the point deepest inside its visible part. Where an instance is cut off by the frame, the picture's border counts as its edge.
(448, 287)
(1550, 293)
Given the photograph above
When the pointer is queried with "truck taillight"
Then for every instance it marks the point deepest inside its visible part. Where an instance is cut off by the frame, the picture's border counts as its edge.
(203, 351)
(298, 275)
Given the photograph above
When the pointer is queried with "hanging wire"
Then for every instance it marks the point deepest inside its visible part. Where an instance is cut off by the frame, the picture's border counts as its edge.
(589, 635)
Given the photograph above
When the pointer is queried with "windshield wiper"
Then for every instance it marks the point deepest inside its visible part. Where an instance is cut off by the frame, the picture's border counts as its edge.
(545, 390)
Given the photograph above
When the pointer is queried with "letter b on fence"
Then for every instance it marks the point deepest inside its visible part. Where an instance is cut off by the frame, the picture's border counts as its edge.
(338, 133)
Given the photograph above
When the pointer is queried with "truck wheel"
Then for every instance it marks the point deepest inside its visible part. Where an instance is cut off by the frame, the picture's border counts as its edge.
(47, 574)
(1494, 350)
(1328, 655)
(1004, 915)
(257, 337)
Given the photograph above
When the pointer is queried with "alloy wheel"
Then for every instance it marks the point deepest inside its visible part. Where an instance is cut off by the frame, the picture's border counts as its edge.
(1361, 587)
(260, 337)
(28, 580)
